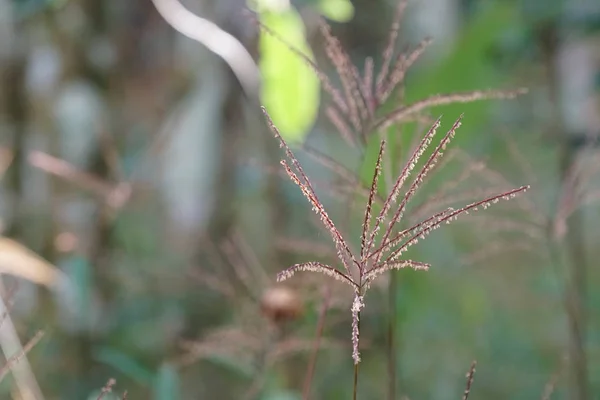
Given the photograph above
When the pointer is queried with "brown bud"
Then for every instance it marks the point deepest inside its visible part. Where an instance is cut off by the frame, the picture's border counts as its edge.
(281, 304)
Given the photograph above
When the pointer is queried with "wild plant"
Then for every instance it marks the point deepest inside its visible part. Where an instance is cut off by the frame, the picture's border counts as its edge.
(354, 112)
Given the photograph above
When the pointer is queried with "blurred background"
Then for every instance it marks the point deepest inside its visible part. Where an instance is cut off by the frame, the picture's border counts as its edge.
(144, 215)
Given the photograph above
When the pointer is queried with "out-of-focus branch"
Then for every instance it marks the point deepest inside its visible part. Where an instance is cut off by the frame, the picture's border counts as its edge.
(14, 352)
(115, 195)
(225, 45)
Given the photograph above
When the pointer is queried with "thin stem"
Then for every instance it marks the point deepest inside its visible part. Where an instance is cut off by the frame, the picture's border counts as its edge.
(310, 371)
(576, 349)
(391, 351)
(548, 38)
(355, 382)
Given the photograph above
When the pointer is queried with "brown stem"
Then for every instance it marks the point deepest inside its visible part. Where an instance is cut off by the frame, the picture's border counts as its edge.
(391, 332)
(310, 371)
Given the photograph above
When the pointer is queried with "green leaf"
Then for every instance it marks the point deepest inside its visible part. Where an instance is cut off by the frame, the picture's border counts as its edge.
(291, 89)
(468, 67)
(166, 386)
(281, 395)
(124, 364)
(336, 10)
(236, 366)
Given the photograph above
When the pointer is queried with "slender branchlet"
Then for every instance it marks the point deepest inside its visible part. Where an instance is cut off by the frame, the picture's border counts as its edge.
(372, 193)
(388, 53)
(441, 99)
(403, 63)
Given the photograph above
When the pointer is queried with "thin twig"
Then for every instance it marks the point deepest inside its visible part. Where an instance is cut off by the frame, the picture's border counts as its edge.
(470, 376)
(442, 99)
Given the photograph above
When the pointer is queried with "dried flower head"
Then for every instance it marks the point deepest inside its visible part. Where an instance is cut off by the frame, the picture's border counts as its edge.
(378, 256)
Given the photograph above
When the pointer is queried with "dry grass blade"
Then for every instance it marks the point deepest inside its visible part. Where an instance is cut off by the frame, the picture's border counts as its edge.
(17, 260)
(470, 376)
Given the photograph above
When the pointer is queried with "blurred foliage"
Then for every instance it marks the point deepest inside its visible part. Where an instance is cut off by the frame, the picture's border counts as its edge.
(107, 101)
(290, 88)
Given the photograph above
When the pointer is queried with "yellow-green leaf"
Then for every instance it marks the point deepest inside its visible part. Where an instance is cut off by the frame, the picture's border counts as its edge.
(336, 10)
(291, 89)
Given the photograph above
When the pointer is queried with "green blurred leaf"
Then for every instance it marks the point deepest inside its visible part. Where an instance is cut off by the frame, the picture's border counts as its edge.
(166, 385)
(281, 395)
(336, 10)
(79, 270)
(290, 90)
(236, 366)
(468, 67)
(124, 364)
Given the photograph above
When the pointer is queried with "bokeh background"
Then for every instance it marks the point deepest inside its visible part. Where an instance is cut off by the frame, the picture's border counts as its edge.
(132, 161)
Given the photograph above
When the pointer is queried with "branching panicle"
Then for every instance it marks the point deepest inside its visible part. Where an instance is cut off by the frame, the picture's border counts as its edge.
(369, 264)
(354, 116)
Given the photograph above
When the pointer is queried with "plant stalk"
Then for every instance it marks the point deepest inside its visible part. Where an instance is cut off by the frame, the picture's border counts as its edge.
(391, 353)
